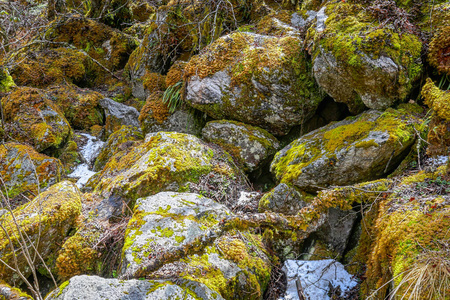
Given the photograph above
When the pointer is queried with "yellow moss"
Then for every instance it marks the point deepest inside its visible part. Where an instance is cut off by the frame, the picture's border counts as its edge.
(154, 82)
(175, 73)
(437, 99)
(342, 135)
(439, 49)
(154, 108)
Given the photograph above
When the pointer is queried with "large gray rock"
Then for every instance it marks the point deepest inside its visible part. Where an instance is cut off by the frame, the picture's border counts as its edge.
(235, 265)
(250, 145)
(359, 61)
(354, 150)
(284, 199)
(96, 288)
(118, 114)
(256, 79)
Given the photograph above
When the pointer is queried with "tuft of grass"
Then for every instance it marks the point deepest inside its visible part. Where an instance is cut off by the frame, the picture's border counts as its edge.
(172, 96)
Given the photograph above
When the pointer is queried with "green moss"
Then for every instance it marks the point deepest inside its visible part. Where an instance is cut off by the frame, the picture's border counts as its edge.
(62, 287)
(6, 81)
(437, 99)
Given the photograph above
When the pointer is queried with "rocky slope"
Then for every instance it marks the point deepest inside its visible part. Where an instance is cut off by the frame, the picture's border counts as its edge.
(217, 142)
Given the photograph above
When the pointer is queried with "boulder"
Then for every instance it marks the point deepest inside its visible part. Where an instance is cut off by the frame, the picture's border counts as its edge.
(354, 150)
(118, 114)
(256, 79)
(361, 62)
(81, 107)
(236, 266)
(157, 116)
(166, 161)
(20, 164)
(97, 288)
(31, 117)
(284, 199)
(44, 67)
(120, 140)
(249, 145)
(10, 293)
(109, 46)
(45, 221)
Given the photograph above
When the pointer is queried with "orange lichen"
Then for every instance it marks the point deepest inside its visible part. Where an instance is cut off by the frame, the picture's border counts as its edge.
(439, 50)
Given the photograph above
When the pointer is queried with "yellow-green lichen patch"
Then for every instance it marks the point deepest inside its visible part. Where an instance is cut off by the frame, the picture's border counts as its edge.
(46, 220)
(6, 81)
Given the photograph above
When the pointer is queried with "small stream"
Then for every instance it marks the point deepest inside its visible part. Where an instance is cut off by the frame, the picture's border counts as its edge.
(89, 152)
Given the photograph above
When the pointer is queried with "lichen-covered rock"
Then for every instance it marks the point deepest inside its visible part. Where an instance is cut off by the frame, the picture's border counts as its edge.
(9, 293)
(31, 117)
(410, 240)
(284, 199)
(359, 61)
(165, 161)
(118, 114)
(97, 288)
(19, 165)
(172, 32)
(250, 145)
(80, 106)
(354, 150)
(439, 50)
(6, 81)
(120, 140)
(439, 127)
(235, 266)
(45, 221)
(256, 79)
(156, 116)
(110, 47)
(44, 67)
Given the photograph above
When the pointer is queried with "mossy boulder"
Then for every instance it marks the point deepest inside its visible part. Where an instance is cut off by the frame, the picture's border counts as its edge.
(10, 293)
(6, 81)
(249, 145)
(354, 150)
(44, 67)
(117, 115)
(165, 161)
(359, 61)
(256, 79)
(120, 140)
(410, 240)
(80, 106)
(20, 164)
(438, 134)
(31, 117)
(439, 49)
(156, 116)
(94, 287)
(284, 199)
(110, 47)
(45, 221)
(235, 265)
